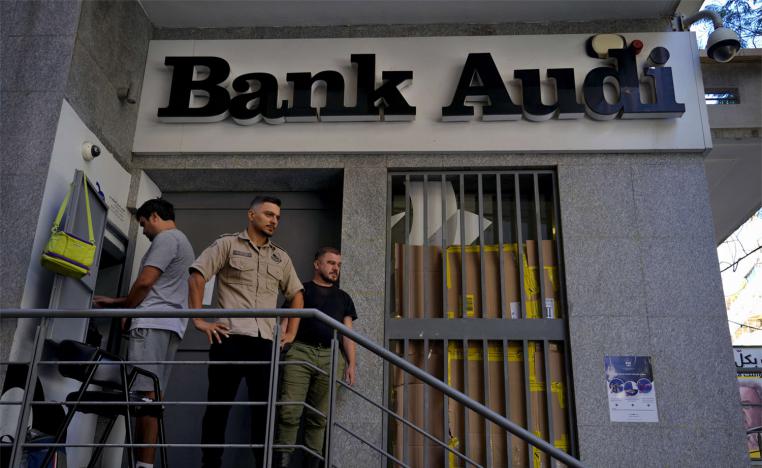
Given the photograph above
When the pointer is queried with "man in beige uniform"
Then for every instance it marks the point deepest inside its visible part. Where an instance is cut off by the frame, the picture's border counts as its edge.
(250, 271)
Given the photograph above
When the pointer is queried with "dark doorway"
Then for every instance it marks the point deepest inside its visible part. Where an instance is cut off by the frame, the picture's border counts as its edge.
(310, 218)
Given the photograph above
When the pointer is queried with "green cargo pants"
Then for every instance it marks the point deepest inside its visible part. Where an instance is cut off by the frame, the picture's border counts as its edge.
(304, 384)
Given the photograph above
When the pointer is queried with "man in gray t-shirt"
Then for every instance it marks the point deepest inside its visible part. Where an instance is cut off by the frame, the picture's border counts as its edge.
(161, 284)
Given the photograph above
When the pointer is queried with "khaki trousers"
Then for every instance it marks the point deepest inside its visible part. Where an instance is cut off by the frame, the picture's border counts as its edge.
(305, 384)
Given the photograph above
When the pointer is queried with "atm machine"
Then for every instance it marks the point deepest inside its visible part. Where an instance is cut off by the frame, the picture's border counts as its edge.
(105, 278)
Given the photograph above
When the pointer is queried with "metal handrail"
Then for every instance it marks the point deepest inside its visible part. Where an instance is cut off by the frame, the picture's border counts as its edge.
(337, 326)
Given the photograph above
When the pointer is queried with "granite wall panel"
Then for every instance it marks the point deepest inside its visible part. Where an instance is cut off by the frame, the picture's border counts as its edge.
(601, 446)
(37, 43)
(36, 63)
(676, 279)
(36, 57)
(689, 349)
(604, 276)
(27, 119)
(43, 18)
(363, 245)
(7, 9)
(18, 204)
(597, 190)
(642, 230)
(110, 53)
(672, 200)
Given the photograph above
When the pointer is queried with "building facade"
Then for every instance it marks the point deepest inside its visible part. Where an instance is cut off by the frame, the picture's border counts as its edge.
(623, 205)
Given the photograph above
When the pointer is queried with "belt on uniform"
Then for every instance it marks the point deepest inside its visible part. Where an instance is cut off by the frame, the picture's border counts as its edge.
(316, 344)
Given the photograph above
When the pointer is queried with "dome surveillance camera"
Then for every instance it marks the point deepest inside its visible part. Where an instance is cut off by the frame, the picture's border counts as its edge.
(723, 45)
(90, 151)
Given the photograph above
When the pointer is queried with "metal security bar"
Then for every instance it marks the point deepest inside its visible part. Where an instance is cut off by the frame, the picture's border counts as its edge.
(475, 296)
(334, 428)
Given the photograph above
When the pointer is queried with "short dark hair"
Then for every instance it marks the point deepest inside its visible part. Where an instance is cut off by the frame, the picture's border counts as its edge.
(259, 199)
(326, 250)
(161, 207)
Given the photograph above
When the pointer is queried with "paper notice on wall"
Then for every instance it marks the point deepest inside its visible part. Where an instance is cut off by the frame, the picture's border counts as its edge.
(631, 389)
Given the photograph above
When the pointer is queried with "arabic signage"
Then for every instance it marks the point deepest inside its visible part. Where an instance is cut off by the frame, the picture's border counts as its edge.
(631, 389)
(421, 94)
(748, 359)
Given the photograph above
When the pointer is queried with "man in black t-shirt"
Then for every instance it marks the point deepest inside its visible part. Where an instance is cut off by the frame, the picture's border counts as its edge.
(313, 344)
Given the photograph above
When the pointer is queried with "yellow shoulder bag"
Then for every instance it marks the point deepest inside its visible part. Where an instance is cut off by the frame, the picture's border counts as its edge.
(65, 253)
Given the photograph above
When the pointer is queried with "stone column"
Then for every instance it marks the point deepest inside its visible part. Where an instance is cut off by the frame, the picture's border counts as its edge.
(642, 279)
(363, 245)
(37, 43)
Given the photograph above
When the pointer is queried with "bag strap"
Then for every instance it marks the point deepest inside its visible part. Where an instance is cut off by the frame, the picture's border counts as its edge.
(87, 206)
(61, 209)
(65, 203)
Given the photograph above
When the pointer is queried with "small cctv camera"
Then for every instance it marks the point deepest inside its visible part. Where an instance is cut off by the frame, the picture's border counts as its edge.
(723, 44)
(90, 151)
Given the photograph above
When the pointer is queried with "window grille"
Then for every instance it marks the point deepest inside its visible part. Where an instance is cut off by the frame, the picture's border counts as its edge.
(476, 300)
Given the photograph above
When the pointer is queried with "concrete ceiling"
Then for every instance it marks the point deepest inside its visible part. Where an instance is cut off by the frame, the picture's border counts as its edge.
(252, 13)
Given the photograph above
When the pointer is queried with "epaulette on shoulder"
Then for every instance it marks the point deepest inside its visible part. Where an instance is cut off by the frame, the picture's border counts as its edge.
(277, 246)
(228, 234)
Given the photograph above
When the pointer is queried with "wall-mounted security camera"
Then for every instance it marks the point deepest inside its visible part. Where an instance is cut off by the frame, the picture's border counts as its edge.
(90, 151)
(723, 43)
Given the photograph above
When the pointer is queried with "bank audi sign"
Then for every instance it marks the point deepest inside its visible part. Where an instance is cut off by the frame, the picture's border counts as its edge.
(451, 93)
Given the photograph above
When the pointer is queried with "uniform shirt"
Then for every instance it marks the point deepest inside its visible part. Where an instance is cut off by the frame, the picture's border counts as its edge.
(248, 277)
(333, 302)
(171, 253)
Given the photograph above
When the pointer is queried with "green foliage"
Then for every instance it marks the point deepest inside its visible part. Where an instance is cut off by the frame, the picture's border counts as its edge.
(744, 17)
